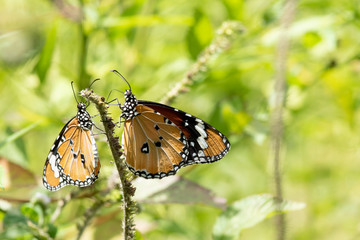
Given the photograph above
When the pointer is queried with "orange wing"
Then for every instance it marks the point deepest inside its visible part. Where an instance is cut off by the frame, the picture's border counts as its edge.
(205, 143)
(154, 148)
(159, 139)
(73, 159)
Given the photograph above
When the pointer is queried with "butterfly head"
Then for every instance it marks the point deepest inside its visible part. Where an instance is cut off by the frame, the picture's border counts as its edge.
(81, 107)
(84, 117)
(129, 107)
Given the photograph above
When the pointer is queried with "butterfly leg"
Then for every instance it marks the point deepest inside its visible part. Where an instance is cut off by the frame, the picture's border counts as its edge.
(110, 94)
(101, 130)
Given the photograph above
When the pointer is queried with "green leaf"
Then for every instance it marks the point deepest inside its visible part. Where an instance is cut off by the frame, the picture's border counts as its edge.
(13, 217)
(15, 226)
(249, 212)
(139, 236)
(193, 43)
(147, 21)
(30, 212)
(242, 119)
(52, 230)
(17, 134)
(44, 62)
(13, 148)
(199, 34)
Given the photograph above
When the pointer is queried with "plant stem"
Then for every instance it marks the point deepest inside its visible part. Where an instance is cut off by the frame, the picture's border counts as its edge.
(224, 36)
(128, 190)
(83, 76)
(88, 216)
(277, 109)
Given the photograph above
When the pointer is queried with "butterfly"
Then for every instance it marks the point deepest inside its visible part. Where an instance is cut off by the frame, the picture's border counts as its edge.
(73, 158)
(158, 139)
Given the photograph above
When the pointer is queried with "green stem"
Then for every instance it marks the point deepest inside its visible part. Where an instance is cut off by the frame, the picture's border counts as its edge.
(224, 37)
(83, 76)
(126, 187)
(277, 124)
(88, 216)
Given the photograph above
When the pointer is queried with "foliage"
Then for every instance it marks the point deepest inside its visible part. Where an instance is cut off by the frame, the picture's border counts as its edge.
(247, 213)
(44, 45)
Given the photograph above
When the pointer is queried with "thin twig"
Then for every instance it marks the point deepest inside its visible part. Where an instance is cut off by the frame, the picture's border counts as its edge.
(61, 203)
(277, 109)
(60, 206)
(40, 232)
(128, 190)
(224, 36)
(88, 216)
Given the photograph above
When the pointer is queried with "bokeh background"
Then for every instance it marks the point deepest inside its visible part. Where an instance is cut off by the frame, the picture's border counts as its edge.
(44, 45)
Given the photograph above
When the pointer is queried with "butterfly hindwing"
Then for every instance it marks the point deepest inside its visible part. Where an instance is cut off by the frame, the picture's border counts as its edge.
(73, 159)
(51, 175)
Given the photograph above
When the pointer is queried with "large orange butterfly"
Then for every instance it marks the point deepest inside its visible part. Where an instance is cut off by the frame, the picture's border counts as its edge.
(73, 158)
(158, 140)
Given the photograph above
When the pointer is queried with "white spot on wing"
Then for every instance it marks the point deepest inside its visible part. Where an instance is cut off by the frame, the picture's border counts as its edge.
(201, 153)
(52, 162)
(201, 130)
(95, 151)
(122, 139)
(202, 142)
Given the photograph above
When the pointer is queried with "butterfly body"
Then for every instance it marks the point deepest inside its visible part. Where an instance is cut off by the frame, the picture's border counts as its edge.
(73, 158)
(158, 140)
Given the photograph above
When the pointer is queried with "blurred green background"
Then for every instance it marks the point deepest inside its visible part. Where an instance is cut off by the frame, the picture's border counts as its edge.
(44, 46)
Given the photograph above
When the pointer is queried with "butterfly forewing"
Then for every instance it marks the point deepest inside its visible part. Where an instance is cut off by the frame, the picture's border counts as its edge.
(73, 159)
(206, 144)
(159, 139)
(79, 154)
(153, 148)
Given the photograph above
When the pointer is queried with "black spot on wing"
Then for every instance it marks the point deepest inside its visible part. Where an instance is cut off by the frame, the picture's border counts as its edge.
(145, 148)
(82, 158)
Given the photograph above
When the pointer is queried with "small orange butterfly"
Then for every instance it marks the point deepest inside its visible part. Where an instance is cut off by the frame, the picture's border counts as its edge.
(158, 140)
(73, 158)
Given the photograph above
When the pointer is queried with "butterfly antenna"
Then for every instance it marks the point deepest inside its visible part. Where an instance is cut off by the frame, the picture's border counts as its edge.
(119, 74)
(93, 82)
(72, 86)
